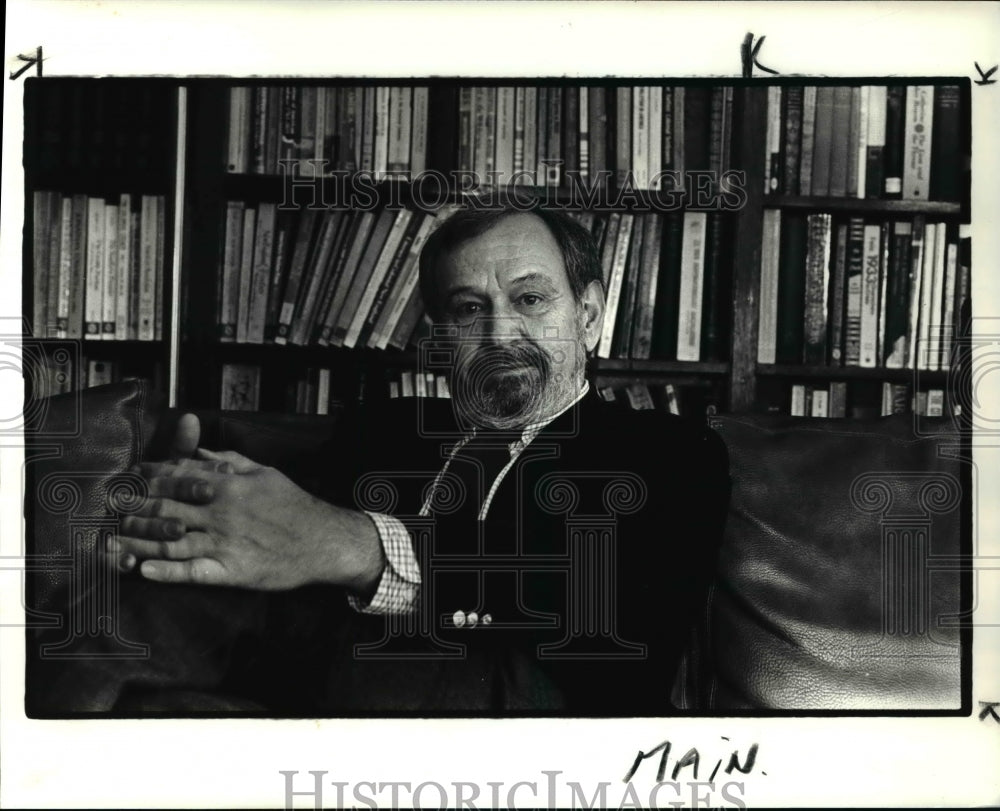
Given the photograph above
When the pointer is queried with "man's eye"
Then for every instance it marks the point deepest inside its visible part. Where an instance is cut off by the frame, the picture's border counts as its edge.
(468, 308)
(531, 299)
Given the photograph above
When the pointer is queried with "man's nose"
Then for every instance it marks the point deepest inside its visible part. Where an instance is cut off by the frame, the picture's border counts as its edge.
(499, 328)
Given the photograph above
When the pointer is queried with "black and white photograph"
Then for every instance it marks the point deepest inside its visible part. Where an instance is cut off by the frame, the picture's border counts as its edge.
(516, 432)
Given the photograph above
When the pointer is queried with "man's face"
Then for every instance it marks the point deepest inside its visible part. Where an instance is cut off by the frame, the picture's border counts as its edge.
(523, 336)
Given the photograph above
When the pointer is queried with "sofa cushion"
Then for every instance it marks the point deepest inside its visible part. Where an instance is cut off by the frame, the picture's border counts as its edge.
(834, 590)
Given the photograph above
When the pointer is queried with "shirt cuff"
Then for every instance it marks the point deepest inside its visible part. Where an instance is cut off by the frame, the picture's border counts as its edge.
(399, 587)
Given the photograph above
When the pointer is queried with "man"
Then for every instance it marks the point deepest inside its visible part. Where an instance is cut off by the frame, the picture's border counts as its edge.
(546, 551)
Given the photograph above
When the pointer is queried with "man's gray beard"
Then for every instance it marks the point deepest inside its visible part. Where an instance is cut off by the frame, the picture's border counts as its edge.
(502, 387)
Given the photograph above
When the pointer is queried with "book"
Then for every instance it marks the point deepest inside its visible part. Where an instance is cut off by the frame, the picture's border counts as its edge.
(857, 149)
(367, 100)
(822, 142)
(77, 257)
(883, 276)
(237, 156)
(41, 225)
(808, 138)
(640, 137)
(333, 281)
(623, 136)
(123, 292)
(798, 404)
(639, 397)
(518, 151)
(608, 247)
(869, 297)
(398, 131)
(316, 274)
(820, 403)
(935, 317)
(569, 126)
(283, 238)
(767, 319)
(918, 123)
(935, 403)
(380, 132)
(791, 144)
(621, 342)
(895, 113)
(692, 281)
(665, 316)
(308, 220)
(597, 130)
(147, 269)
(837, 401)
(917, 285)
(245, 274)
(407, 321)
(817, 282)
(875, 153)
(677, 136)
(839, 140)
(228, 310)
(898, 296)
(946, 177)
(654, 126)
(715, 307)
(791, 287)
(504, 144)
(948, 318)
(159, 307)
(616, 280)
(263, 256)
(109, 295)
(554, 167)
(240, 387)
(773, 180)
(855, 279)
(642, 333)
(65, 283)
(529, 175)
(94, 274)
(359, 242)
(466, 129)
(836, 296)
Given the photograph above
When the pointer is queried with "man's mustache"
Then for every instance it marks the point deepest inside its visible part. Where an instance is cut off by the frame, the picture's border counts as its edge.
(492, 359)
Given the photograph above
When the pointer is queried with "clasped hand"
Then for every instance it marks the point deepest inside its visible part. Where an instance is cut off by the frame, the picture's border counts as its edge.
(222, 519)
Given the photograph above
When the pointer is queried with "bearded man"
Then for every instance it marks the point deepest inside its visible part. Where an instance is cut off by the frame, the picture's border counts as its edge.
(522, 548)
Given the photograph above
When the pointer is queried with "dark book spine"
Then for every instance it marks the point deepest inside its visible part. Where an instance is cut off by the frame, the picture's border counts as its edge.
(946, 149)
(621, 343)
(815, 295)
(791, 288)
(597, 111)
(668, 289)
(443, 111)
(835, 316)
(822, 143)
(840, 138)
(897, 303)
(875, 153)
(791, 144)
(697, 110)
(713, 332)
(892, 156)
(276, 286)
(571, 131)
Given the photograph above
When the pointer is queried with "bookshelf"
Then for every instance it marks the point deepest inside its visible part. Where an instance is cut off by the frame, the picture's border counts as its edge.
(222, 198)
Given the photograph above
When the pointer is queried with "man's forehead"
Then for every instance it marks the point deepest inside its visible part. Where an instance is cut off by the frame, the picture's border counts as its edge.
(516, 246)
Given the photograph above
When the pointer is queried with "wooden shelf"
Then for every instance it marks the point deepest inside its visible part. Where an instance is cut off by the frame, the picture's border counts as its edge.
(605, 366)
(851, 373)
(934, 208)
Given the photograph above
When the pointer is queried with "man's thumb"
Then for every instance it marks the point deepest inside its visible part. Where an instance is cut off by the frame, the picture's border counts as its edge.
(186, 437)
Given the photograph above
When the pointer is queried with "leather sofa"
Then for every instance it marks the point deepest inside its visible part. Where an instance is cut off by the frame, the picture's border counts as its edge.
(837, 586)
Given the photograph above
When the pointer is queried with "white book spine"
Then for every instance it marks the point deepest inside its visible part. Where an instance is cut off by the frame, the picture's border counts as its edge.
(263, 250)
(94, 284)
(798, 408)
(654, 120)
(949, 316)
(936, 322)
(692, 281)
(123, 290)
(864, 131)
(418, 152)
(870, 297)
(584, 108)
(820, 403)
(640, 136)
(917, 142)
(65, 267)
(769, 259)
(109, 299)
(147, 269)
(772, 138)
(926, 293)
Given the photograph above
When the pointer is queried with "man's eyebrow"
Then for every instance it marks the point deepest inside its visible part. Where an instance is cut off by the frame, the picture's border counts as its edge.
(533, 276)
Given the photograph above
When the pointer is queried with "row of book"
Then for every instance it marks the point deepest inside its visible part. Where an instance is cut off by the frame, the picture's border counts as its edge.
(60, 375)
(866, 142)
(99, 126)
(896, 398)
(333, 278)
(98, 266)
(536, 136)
(858, 292)
(350, 278)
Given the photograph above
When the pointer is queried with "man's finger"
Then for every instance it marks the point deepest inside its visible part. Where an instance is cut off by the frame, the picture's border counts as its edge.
(239, 462)
(192, 545)
(191, 515)
(182, 467)
(186, 437)
(203, 571)
(156, 529)
(190, 489)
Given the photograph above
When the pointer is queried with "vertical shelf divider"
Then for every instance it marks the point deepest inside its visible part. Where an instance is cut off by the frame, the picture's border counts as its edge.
(174, 338)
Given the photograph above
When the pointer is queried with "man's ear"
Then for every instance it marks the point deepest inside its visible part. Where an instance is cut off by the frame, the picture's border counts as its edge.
(592, 303)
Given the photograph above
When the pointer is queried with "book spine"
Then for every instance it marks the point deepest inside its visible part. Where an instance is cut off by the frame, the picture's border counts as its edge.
(50, 325)
(296, 270)
(147, 269)
(409, 276)
(135, 248)
(159, 304)
(792, 287)
(530, 178)
(838, 399)
(654, 126)
(838, 280)
(937, 298)
(885, 236)
(948, 318)
(640, 137)
(772, 142)
(767, 325)
(78, 274)
(553, 170)
(40, 260)
(400, 122)
(608, 247)
(840, 137)
(855, 280)
(109, 296)
(466, 121)
(615, 284)
(239, 115)
(94, 268)
(316, 274)
(124, 261)
(816, 287)
(245, 275)
(793, 100)
(276, 283)
(820, 403)
(584, 132)
(229, 278)
(359, 240)
(263, 254)
(893, 153)
(407, 321)
(898, 297)
(518, 160)
(380, 145)
(875, 156)
(869, 297)
(389, 279)
(367, 102)
(505, 126)
(679, 136)
(642, 337)
(65, 267)
(692, 280)
(856, 151)
(916, 290)
(272, 135)
(623, 135)
(569, 126)
(822, 143)
(621, 341)
(798, 405)
(946, 151)
(258, 139)
(917, 142)
(808, 140)
(348, 323)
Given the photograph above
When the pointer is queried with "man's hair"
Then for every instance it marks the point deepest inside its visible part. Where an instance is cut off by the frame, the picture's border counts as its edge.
(578, 248)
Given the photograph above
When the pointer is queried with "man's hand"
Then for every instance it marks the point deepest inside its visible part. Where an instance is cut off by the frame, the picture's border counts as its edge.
(253, 528)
